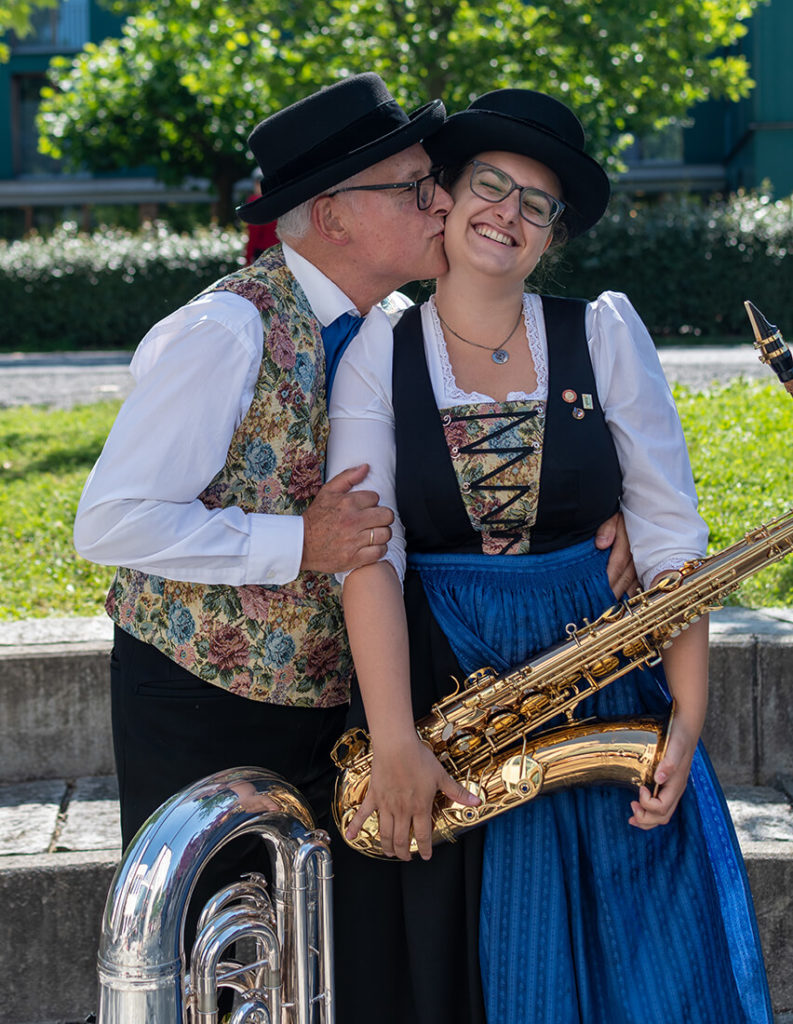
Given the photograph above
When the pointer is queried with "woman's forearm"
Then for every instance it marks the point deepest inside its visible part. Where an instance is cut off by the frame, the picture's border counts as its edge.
(686, 667)
(406, 776)
(377, 629)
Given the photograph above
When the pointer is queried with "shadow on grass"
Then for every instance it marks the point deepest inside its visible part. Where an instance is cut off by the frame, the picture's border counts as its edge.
(60, 461)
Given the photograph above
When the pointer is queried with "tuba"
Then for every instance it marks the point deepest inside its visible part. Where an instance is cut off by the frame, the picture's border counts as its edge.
(143, 975)
(500, 735)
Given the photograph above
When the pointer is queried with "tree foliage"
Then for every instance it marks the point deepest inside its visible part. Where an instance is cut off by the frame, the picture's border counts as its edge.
(188, 79)
(16, 16)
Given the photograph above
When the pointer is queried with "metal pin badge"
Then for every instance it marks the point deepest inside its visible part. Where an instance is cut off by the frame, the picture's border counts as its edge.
(578, 414)
(586, 401)
(568, 395)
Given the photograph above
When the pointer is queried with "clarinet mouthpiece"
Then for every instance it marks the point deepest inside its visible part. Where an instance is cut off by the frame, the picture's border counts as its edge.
(771, 346)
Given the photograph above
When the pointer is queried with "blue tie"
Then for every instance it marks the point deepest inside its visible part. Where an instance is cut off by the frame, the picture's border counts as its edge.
(335, 338)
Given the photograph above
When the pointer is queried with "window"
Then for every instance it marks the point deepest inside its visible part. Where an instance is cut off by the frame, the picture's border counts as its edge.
(25, 98)
(661, 147)
(64, 27)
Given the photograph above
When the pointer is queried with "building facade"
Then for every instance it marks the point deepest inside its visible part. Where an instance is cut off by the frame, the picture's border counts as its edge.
(727, 145)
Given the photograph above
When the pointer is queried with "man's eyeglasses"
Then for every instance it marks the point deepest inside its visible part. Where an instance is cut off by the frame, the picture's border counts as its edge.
(425, 189)
(537, 207)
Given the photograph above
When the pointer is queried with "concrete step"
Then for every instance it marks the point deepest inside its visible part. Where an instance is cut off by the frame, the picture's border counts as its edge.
(59, 840)
(55, 719)
(59, 844)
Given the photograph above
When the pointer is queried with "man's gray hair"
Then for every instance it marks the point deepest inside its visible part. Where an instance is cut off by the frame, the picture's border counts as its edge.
(296, 222)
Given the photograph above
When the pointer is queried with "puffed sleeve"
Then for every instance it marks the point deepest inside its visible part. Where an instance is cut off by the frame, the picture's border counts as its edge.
(659, 500)
(362, 421)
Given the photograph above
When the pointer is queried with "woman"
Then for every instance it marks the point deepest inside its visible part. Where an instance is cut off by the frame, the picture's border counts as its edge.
(507, 429)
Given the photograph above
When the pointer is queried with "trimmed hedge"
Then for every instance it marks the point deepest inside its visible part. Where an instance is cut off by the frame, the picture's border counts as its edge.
(104, 290)
(686, 265)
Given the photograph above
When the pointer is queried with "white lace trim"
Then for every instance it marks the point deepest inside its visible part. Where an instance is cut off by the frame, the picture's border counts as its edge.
(537, 346)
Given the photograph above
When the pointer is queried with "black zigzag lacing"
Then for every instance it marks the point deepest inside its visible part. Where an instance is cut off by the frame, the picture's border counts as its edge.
(500, 525)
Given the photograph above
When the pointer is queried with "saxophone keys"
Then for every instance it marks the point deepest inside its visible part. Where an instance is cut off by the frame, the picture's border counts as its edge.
(522, 775)
(461, 813)
(349, 747)
(466, 741)
(501, 720)
(605, 665)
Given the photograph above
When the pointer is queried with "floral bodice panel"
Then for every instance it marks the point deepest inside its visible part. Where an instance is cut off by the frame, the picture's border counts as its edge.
(496, 452)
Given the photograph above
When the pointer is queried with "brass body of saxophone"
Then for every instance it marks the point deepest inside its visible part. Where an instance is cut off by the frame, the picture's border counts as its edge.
(498, 734)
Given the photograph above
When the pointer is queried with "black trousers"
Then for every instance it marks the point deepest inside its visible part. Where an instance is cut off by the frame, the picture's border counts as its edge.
(171, 728)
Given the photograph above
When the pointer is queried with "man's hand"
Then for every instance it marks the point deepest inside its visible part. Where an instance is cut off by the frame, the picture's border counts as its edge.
(620, 569)
(344, 529)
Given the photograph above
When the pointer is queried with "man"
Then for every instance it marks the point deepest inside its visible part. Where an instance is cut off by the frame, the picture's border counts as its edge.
(229, 642)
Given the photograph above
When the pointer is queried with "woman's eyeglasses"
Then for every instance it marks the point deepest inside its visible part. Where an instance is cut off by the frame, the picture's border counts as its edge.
(537, 207)
(425, 189)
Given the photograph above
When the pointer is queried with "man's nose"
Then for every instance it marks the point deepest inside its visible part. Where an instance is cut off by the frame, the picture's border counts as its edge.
(442, 202)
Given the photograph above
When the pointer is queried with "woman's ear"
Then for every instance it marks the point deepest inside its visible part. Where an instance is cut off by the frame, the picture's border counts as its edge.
(327, 219)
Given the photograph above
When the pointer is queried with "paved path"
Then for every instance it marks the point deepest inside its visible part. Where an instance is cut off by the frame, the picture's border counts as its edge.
(63, 379)
(72, 378)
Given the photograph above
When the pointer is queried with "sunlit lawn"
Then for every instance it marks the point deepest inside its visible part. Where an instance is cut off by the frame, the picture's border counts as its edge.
(739, 437)
(45, 456)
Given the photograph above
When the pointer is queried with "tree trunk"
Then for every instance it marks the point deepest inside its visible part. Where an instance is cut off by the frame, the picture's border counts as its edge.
(224, 189)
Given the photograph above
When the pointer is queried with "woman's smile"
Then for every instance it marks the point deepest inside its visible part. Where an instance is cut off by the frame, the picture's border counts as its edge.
(498, 236)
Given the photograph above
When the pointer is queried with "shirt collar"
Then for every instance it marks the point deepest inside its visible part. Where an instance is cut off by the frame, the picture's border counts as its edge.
(326, 299)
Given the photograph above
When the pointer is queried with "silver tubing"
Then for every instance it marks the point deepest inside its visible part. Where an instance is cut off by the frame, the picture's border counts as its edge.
(141, 961)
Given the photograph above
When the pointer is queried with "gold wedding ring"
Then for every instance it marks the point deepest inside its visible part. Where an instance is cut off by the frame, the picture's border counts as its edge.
(371, 538)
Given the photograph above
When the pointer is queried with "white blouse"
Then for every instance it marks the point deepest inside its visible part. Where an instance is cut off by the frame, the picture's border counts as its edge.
(659, 501)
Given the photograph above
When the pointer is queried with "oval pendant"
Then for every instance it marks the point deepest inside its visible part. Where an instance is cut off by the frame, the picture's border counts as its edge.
(500, 356)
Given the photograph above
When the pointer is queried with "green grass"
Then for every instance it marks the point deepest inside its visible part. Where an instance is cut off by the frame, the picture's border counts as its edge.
(739, 438)
(45, 457)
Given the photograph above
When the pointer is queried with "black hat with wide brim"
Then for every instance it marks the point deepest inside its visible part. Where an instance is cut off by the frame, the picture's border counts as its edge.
(535, 125)
(329, 136)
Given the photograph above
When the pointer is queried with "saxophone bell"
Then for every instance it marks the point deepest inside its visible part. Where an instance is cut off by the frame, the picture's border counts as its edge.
(771, 346)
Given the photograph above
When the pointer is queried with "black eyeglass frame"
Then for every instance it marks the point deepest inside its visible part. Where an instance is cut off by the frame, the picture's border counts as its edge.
(416, 184)
(560, 204)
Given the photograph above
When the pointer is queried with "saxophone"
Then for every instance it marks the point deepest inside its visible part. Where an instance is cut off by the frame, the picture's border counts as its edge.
(499, 735)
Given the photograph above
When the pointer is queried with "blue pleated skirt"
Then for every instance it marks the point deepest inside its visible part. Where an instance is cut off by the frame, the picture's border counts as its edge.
(585, 919)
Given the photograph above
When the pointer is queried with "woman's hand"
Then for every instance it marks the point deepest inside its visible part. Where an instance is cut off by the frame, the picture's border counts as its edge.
(620, 570)
(671, 775)
(406, 776)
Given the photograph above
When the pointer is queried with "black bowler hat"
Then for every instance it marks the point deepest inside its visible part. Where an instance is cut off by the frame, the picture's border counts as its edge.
(329, 136)
(534, 125)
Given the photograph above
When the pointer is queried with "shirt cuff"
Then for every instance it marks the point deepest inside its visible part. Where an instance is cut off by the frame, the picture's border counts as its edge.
(276, 549)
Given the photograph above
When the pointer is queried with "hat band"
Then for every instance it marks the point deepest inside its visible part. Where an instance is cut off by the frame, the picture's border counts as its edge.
(385, 118)
(527, 122)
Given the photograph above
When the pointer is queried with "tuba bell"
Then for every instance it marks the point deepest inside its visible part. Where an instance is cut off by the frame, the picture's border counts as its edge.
(143, 973)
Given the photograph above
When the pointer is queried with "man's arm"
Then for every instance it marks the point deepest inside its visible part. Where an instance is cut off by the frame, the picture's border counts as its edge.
(195, 376)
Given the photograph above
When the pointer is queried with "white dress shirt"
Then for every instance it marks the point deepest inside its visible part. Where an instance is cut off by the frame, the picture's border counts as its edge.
(659, 500)
(195, 373)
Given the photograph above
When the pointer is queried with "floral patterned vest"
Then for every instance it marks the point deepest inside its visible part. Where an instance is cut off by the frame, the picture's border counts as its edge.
(280, 644)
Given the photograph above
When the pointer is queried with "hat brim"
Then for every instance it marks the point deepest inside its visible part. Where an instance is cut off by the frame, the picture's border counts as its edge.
(585, 185)
(421, 124)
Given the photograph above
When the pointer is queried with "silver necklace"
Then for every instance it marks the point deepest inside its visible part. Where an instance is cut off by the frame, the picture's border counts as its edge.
(497, 354)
